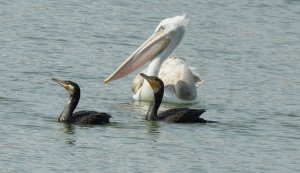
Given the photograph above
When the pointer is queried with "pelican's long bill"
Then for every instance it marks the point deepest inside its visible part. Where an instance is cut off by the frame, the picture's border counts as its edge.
(156, 43)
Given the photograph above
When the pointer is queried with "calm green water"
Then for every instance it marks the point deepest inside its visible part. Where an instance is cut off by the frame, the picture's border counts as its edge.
(248, 53)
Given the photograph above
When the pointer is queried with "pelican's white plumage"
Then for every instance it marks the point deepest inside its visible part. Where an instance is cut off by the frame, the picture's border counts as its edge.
(180, 82)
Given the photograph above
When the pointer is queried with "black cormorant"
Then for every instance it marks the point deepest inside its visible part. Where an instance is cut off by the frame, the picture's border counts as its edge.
(175, 115)
(81, 117)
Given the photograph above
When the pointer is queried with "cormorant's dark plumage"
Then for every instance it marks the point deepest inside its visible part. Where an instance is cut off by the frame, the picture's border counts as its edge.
(175, 115)
(81, 117)
(182, 115)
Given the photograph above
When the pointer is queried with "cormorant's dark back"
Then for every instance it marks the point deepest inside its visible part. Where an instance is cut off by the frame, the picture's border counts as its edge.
(81, 117)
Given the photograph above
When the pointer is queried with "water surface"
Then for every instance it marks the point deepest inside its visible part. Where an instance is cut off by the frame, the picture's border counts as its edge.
(247, 53)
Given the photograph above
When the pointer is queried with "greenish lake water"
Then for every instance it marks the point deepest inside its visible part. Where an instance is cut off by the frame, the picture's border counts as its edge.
(247, 52)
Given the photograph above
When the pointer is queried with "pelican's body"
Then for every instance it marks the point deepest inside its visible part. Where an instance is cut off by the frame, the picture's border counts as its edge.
(179, 80)
(176, 115)
(180, 83)
(81, 117)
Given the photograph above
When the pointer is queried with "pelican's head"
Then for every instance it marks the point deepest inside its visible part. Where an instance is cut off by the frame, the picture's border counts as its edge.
(172, 25)
(162, 42)
(70, 86)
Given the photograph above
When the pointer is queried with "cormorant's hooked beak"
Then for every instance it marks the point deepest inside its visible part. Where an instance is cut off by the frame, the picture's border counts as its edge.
(153, 82)
(144, 76)
(154, 45)
(66, 84)
(60, 82)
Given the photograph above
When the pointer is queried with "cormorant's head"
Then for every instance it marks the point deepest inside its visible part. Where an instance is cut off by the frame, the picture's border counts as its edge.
(70, 86)
(156, 84)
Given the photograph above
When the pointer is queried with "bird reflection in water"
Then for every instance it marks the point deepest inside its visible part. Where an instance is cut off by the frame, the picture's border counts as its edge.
(70, 130)
(153, 127)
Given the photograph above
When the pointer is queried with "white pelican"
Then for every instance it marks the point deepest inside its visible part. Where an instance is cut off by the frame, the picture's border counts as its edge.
(180, 82)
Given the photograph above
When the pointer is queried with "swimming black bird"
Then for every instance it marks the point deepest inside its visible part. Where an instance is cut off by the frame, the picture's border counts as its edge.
(81, 117)
(175, 115)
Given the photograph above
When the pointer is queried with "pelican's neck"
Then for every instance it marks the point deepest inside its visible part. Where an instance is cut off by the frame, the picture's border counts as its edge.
(69, 108)
(145, 92)
(154, 66)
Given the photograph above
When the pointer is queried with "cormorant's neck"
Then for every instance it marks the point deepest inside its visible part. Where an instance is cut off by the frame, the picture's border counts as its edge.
(152, 112)
(70, 107)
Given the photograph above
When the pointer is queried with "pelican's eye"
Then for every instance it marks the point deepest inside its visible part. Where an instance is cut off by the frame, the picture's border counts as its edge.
(161, 28)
